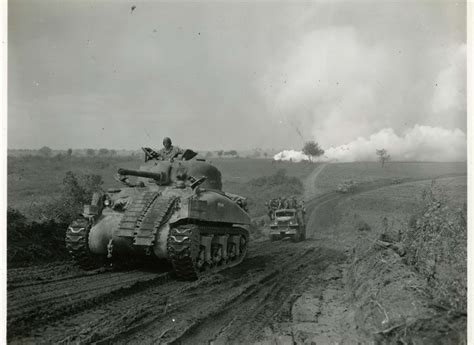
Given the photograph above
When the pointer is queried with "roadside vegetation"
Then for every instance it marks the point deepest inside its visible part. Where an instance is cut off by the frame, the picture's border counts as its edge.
(409, 284)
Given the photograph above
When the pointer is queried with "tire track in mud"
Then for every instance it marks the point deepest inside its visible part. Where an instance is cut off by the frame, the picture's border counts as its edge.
(26, 276)
(242, 320)
(35, 305)
(114, 302)
(234, 301)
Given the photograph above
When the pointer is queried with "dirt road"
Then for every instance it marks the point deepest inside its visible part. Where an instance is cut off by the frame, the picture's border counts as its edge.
(148, 307)
(310, 190)
(281, 293)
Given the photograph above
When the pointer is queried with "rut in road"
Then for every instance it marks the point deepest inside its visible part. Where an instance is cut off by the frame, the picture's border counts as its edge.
(236, 306)
(99, 314)
(242, 320)
(34, 305)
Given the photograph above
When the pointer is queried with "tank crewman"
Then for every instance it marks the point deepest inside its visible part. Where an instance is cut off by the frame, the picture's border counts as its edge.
(169, 151)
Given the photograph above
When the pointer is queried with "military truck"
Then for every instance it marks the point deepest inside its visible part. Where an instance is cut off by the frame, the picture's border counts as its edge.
(288, 222)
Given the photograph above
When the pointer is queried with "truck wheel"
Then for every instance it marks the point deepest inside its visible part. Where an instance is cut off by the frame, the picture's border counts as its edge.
(293, 238)
(303, 235)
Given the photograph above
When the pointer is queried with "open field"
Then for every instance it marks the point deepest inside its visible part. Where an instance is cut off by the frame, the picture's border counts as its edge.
(352, 281)
(368, 172)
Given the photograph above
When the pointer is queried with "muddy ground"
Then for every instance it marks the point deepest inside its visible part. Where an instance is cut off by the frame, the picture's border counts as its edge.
(283, 293)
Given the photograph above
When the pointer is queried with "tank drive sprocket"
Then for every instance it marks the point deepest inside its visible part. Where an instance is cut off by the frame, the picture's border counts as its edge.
(77, 244)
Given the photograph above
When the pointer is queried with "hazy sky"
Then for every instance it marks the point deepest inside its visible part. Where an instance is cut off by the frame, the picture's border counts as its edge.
(231, 75)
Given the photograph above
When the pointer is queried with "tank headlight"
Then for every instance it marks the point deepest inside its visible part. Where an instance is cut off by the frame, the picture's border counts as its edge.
(107, 202)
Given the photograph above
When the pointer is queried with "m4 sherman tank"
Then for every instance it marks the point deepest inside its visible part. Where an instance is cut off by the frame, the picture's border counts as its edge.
(175, 211)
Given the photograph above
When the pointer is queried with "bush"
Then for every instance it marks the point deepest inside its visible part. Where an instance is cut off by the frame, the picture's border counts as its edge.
(436, 245)
(76, 191)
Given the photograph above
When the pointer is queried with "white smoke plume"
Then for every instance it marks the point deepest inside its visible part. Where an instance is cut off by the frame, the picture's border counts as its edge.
(290, 155)
(420, 143)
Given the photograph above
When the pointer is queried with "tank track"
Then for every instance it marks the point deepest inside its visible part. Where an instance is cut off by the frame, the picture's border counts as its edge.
(156, 215)
(143, 219)
(183, 248)
(135, 213)
(77, 244)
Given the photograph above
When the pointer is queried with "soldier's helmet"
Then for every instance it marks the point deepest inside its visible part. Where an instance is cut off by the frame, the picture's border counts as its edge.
(167, 142)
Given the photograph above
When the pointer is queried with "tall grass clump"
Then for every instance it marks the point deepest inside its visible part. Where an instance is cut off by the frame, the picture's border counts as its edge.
(436, 245)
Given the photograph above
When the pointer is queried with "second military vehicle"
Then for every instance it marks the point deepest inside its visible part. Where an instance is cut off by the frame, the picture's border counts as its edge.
(176, 211)
(288, 223)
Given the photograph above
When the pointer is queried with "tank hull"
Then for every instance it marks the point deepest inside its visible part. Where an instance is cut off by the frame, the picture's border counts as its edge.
(146, 228)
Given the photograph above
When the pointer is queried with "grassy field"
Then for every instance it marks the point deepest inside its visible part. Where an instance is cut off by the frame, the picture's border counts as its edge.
(366, 172)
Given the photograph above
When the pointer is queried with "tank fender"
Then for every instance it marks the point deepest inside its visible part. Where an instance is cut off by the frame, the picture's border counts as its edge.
(210, 206)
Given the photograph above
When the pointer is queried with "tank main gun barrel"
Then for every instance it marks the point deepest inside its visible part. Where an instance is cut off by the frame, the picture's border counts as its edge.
(160, 177)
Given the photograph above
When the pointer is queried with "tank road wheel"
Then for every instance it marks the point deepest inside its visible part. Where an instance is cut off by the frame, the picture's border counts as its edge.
(77, 244)
(184, 250)
(274, 238)
(193, 249)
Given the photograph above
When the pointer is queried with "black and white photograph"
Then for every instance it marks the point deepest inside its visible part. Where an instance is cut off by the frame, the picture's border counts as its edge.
(236, 172)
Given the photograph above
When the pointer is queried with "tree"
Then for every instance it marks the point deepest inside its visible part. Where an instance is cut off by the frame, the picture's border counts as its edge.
(265, 154)
(69, 152)
(209, 154)
(90, 152)
(312, 149)
(103, 152)
(220, 153)
(45, 151)
(383, 156)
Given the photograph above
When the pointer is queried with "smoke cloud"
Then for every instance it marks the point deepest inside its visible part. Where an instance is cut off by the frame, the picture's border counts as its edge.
(420, 143)
(337, 84)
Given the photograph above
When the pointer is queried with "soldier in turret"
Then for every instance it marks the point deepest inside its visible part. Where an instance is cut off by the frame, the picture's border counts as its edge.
(169, 151)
